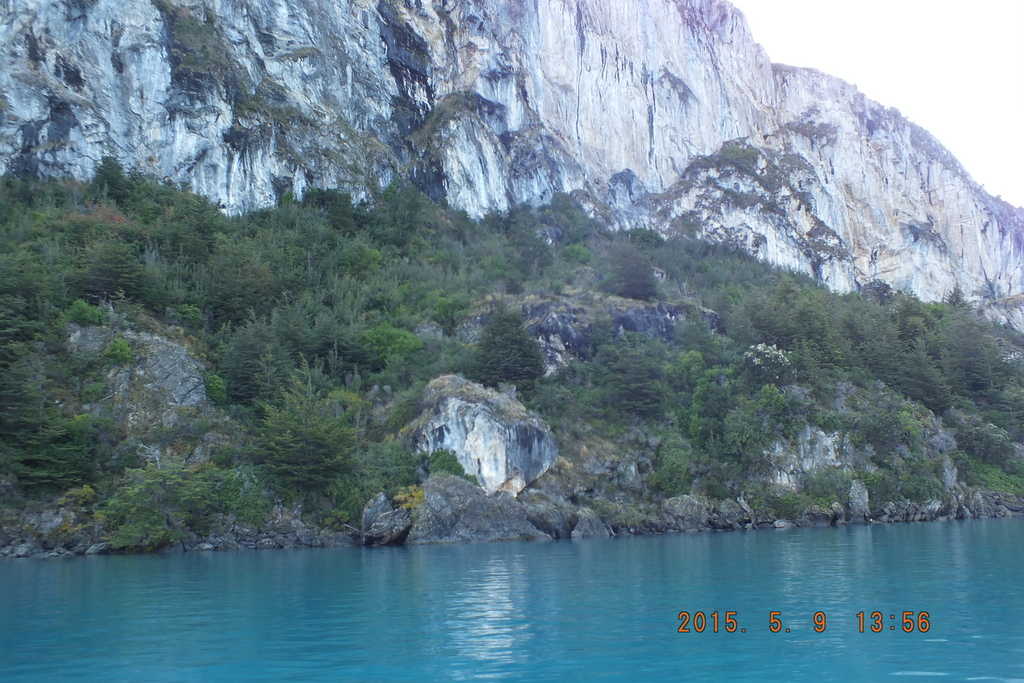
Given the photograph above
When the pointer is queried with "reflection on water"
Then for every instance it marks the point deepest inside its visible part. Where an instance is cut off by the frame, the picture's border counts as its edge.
(599, 609)
(482, 617)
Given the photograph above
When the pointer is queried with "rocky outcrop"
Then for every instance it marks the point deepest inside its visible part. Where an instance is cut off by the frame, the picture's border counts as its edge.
(455, 511)
(563, 325)
(729, 514)
(63, 529)
(665, 114)
(813, 450)
(284, 528)
(494, 437)
(551, 515)
(589, 525)
(157, 393)
(687, 513)
(816, 515)
(383, 524)
(859, 507)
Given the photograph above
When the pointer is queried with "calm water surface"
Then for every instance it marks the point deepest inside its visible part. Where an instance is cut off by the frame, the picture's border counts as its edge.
(597, 610)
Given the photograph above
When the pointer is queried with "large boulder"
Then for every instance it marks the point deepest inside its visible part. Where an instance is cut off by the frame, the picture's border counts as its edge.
(860, 510)
(815, 515)
(494, 437)
(455, 511)
(553, 517)
(686, 513)
(589, 525)
(383, 524)
(729, 514)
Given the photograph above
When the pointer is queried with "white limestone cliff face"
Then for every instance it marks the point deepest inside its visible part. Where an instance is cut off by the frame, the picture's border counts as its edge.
(494, 437)
(240, 122)
(810, 452)
(634, 107)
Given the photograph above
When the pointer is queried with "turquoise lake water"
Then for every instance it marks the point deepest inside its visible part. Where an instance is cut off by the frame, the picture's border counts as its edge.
(596, 610)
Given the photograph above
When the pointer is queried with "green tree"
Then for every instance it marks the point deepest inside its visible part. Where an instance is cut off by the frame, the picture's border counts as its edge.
(254, 363)
(45, 450)
(111, 177)
(506, 353)
(306, 443)
(156, 506)
(631, 377)
(631, 276)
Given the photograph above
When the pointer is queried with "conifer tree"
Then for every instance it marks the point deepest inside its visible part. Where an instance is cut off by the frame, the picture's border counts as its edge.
(305, 443)
(506, 353)
(631, 274)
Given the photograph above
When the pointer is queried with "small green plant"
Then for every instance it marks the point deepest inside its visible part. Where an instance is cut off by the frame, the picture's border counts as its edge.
(447, 461)
(190, 315)
(217, 390)
(80, 496)
(84, 314)
(409, 497)
(577, 253)
(336, 520)
(118, 352)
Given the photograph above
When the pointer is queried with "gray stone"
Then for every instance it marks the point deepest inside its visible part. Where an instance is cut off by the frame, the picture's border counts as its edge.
(456, 511)
(686, 512)
(376, 507)
(548, 515)
(651, 320)
(203, 547)
(589, 525)
(304, 535)
(729, 514)
(286, 540)
(384, 525)
(860, 511)
(101, 548)
(337, 539)
(390, 528)
(266, 544)
(815, 515)
(838, 513)
(89, 339)
(429, 330)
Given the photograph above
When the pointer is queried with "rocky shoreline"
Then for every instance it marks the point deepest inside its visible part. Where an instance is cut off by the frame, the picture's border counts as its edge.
(456, 511)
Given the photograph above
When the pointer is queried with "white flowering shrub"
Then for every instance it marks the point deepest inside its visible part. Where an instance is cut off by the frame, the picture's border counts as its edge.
(767, 361)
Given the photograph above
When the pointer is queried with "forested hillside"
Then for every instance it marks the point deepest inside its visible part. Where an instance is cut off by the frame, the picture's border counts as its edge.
(320, 322)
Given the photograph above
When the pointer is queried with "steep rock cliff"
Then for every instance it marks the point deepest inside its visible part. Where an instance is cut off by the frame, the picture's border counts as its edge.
(658, 113)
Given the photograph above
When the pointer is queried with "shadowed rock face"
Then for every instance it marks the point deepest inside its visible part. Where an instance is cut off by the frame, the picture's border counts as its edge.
(456, 511)
(563, 325)
(494, 437)
(384, 525)
(660, 113)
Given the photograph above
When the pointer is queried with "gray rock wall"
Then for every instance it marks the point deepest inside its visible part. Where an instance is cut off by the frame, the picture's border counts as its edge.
(490, 103)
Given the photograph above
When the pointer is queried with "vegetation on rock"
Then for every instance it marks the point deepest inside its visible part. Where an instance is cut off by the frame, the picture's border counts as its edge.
(317, 321)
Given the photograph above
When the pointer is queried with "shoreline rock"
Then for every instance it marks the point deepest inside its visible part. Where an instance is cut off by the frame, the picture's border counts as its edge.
(456, 511)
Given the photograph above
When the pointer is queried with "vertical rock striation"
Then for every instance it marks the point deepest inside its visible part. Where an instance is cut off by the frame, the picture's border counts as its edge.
(494, 437)
(656, 113)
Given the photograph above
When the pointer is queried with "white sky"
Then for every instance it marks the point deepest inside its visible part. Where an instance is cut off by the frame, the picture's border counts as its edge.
(954, 67)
